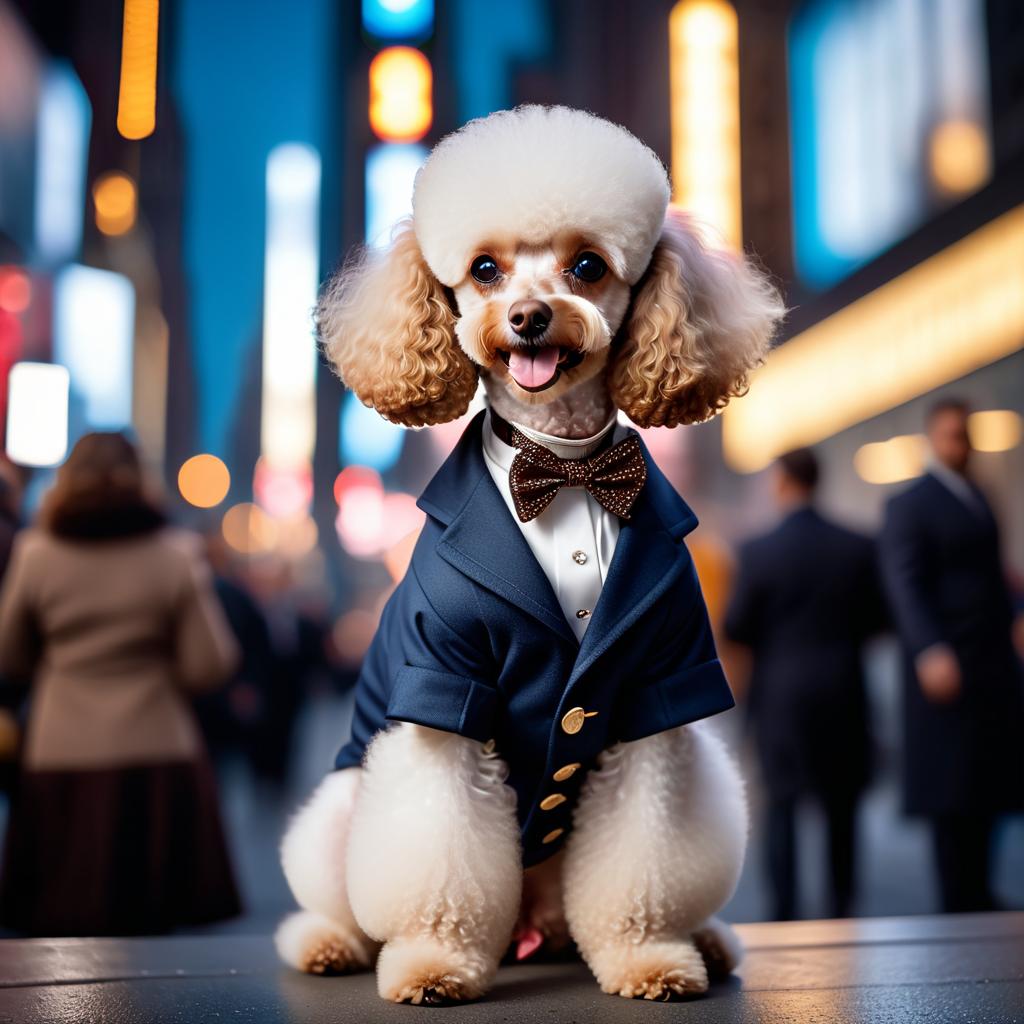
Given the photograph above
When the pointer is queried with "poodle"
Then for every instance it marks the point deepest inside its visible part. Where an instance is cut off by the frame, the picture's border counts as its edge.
(527, 761)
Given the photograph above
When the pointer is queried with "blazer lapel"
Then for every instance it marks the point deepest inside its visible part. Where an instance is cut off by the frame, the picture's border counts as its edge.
(648, 559)
(484, 542)
(482, 539)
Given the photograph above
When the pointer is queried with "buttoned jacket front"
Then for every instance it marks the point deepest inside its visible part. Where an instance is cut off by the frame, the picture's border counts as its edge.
(473, 642)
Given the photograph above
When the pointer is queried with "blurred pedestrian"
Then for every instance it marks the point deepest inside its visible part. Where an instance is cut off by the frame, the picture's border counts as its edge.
(806, 600)
(10, 699)
(233, 716)
(114, 825)
(963, 695)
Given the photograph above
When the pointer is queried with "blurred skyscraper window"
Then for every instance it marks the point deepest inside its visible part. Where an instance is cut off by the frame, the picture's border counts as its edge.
(890, 121)
(93, 336)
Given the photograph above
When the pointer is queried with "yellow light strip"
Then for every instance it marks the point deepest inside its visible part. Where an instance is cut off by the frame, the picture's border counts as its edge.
(705, 110)
(136, 101)
(953, 313)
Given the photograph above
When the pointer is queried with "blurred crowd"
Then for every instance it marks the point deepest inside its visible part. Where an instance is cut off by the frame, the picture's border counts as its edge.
(140, 662)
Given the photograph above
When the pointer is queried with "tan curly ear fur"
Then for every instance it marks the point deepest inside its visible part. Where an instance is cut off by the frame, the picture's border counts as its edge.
(700, 321)
(385, 323)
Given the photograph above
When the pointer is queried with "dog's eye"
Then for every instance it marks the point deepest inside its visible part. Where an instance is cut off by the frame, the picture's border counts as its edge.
(484, 269)
(589, 267)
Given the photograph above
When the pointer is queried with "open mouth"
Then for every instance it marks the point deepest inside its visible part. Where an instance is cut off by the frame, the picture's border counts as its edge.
(538, 367)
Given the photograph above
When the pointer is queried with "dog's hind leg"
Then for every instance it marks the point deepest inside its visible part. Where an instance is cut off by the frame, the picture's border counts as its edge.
(323, 937)
(656, 849)
(434, 870)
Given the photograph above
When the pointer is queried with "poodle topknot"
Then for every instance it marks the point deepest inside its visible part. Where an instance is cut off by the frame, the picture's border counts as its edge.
(529, 172)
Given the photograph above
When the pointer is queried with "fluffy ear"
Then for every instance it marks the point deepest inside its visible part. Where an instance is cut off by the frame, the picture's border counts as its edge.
(386, 324)
(700, 321)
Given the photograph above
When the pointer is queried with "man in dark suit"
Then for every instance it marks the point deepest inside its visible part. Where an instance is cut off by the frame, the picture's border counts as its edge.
(964, 697)
(806, 599)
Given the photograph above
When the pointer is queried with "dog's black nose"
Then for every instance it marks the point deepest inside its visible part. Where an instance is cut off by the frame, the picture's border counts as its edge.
(529, 317)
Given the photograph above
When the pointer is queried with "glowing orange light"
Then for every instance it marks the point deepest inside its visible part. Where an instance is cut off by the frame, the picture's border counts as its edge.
(15, 292)
(136, 101)
(248, 529)
(116, 200)
(705, 114)
(204, 481)
(401, 106)
(959, 156)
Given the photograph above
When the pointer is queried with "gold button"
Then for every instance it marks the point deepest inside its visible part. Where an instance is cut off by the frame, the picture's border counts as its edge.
(567, 772)
(572, 720)
(583, 613)
(552, 835)
(549, 803)
(579, 557)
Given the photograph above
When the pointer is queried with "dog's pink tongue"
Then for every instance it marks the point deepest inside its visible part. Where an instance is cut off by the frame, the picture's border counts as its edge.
(532, 368)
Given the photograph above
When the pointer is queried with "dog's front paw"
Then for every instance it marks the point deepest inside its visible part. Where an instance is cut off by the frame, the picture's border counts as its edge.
(425, 972)
(651, 970)
(314, 944)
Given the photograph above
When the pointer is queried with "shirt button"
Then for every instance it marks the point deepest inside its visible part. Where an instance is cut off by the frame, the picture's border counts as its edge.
(553, 835)
(583, 613)
(579, 557)
(549, 803)
(566, 772)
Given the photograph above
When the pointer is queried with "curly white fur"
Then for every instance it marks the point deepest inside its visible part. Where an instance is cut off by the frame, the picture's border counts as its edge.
(657, 848)
(434, 869)
(553, 168)
(324, 937)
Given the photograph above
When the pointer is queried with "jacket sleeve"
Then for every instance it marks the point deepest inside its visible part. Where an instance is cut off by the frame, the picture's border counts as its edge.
(686, 683)
(903, 550)
(20, 640)
(443, 679)
(205, 650)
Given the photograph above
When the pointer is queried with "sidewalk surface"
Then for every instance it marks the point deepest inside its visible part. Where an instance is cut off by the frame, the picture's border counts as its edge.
(893, 970)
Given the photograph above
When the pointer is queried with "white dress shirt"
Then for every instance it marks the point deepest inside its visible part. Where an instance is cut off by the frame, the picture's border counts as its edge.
(574, 538)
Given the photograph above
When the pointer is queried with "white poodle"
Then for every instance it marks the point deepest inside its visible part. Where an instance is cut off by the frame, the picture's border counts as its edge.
(524, 760)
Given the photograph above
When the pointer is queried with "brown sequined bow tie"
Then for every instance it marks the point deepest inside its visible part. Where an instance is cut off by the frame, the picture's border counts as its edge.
(613, 478)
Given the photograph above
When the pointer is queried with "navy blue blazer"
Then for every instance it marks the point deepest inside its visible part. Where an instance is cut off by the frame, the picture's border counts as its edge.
(473, 642)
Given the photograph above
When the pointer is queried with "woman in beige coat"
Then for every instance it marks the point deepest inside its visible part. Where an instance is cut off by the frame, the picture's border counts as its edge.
(114, 825)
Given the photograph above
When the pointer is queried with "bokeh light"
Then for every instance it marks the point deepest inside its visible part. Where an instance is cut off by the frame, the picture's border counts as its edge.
(398, 19)
(136, 101)
(204, 481)
(354, 477)
(705, 113)
(995, 430)
(115, 197)
(297, 537)
(959, 156)
(37, 414)
(370, 521)
(889, 462)
(401, 105)
(15, 290)
(283, 491)
(249, 530)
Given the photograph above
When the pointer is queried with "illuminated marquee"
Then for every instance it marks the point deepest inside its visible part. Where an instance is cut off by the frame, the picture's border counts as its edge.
(953, 313)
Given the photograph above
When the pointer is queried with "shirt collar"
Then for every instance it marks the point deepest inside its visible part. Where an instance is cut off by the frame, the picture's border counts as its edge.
(564, 448)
